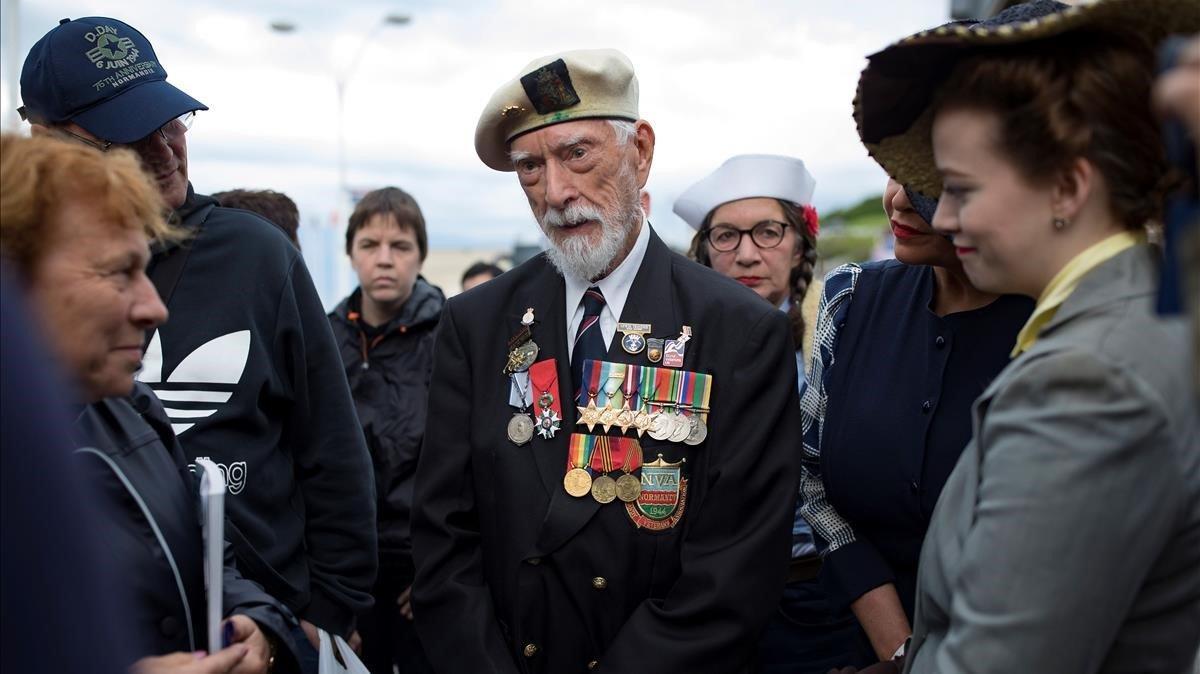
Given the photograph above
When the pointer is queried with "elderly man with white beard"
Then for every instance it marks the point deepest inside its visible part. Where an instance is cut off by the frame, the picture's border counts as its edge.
(611, 459)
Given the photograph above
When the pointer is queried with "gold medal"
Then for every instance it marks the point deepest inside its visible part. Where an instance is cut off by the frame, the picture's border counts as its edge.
(604, 489)
(608, 417)
(628, 488)
(641, 422)
(577, 482)
(520, 428)
(625, 419)
(589, 416)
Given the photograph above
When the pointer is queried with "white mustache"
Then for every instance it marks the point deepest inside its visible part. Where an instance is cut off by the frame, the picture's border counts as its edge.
(573, 214)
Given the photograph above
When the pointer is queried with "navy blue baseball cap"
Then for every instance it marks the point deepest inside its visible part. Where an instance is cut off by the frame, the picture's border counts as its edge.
(103, 75)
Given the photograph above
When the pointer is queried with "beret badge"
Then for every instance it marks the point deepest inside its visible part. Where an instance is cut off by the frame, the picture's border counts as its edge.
(549, 88)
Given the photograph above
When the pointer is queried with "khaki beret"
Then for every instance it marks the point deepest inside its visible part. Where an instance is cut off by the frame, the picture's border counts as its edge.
(581, 84)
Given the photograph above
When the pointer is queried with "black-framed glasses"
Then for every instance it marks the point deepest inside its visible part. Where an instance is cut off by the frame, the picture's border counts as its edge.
(170, 131)
(766, 234)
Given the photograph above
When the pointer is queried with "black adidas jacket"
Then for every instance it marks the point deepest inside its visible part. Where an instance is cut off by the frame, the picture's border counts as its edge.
(248, 371)
(388, 369)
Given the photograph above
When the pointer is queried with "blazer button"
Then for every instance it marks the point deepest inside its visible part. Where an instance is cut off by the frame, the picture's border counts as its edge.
(593, 664)
(940, 341)
(530, 650)
(169, 627)
(926, 406)
(599, 582)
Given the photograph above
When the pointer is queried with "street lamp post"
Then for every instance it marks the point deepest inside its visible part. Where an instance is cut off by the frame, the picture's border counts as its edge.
(341, 79)
(12, 62)
(342, 280)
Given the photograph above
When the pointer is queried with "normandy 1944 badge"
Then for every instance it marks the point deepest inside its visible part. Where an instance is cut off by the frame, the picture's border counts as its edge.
(663, 497)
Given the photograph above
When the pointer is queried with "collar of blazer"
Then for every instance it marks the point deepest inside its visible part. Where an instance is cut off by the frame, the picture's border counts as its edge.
(1129, 274)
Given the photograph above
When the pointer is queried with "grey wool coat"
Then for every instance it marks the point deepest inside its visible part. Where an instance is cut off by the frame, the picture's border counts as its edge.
(1068, 536)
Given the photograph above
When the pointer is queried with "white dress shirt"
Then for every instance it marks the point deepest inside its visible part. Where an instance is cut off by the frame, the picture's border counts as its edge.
(615, 288)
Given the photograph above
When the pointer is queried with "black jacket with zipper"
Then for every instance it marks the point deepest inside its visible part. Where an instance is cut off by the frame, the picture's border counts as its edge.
(152, 530)
(388, 368)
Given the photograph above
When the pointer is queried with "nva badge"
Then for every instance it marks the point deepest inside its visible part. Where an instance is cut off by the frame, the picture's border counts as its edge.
(663, 498)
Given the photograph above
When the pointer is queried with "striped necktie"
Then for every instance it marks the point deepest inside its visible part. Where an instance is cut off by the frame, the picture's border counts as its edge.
(589, 342)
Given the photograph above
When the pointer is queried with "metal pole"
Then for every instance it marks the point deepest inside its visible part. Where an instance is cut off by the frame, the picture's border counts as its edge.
(343, 188)
(12, 63)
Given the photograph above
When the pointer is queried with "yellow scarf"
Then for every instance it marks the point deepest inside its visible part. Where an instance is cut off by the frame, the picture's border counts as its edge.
(1067, 279)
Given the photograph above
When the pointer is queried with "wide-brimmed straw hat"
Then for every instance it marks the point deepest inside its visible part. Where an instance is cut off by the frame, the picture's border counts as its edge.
(892, 107)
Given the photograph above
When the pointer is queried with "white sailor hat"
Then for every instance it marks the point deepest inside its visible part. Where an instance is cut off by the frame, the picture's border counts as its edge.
(744, 177)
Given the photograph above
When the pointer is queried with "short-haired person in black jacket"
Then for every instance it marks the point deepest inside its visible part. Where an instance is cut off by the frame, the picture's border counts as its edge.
(247, 367)
(385, 331)
(75, 227)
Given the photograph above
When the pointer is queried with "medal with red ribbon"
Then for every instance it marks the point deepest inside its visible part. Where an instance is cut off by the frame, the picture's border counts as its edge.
(547, 408)
(604, 488)
(614, 453)
(627, 454)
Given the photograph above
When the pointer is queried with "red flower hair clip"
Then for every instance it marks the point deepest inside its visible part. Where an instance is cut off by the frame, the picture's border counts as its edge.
(811, 220)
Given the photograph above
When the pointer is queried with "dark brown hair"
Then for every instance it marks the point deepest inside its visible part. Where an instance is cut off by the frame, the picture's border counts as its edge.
(394, 201)
(274, 206)
(1077, 95)
(800, 277)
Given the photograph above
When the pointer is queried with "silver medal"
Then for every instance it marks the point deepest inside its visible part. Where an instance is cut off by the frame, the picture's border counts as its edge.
(520, 428)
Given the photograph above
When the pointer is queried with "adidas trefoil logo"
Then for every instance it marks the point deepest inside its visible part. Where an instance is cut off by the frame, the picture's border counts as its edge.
(200, 384)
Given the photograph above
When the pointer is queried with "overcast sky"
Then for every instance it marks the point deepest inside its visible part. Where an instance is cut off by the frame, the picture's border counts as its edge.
(718, 78)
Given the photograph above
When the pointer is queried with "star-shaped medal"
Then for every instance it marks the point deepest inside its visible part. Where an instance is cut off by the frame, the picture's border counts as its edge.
(590, 415)
(548, 423)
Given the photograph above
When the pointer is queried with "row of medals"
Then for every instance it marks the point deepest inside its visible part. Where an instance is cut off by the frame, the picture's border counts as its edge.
(672, 426)
(578, 482)
(521, 356)
(666, 425)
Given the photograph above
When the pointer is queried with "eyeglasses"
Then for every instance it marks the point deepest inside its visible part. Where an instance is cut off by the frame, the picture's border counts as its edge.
(766, 234)
(170, 131)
